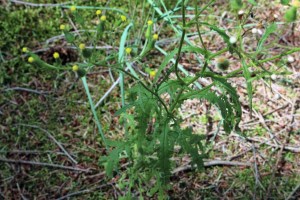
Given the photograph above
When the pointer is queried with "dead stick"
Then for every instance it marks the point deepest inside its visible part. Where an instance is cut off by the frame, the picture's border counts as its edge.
(25, 162)
(54, 140)
(212, 163)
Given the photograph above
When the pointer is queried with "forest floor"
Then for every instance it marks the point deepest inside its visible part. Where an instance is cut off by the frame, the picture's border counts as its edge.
(50, 147)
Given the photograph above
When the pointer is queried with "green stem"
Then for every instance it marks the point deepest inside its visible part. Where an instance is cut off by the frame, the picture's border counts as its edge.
(181, 42)
(93, 110)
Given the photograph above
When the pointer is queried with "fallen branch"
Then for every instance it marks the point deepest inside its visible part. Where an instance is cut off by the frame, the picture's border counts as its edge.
(39, 4)
(288, 148)
(54, 140)
(25, 162)
(212, 163)
(27, 90)
(82, 192)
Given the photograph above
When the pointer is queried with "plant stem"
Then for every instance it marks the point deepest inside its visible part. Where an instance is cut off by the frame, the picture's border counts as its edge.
(181, 42)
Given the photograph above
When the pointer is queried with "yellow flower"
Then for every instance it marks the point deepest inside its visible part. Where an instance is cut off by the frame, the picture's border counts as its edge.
(82, 46)
(31, 59)
(152, 73)
(123, 18)
(98, 12)
(150, 22)
(128, 50)
(62, 27)
(24, 49)
(155, 37)
(295, 3)
(75, 68)
(103, 18)
(73, 8)
(56, 55)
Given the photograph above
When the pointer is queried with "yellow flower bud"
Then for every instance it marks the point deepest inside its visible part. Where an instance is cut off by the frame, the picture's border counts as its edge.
(82, 46)
(73, 8)
(155, 37)
(152, 73)
(150, 22)
(296, 3)
(123, 18)
(75, 68)
(128, 50)
(24, 49)
(56, 55)
(103, 18)
(31, 59)
(62, 27)
(98, 12)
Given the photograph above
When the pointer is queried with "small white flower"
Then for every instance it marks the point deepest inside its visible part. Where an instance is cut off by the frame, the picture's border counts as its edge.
(259, 32)
(254, 30)
(273, 77)
(290, 59)
(275, 16)
(232, 40)
(276, 96)
(241, 12)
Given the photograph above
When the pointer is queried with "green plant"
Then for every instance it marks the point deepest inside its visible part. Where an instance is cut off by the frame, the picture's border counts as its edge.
(151, 122)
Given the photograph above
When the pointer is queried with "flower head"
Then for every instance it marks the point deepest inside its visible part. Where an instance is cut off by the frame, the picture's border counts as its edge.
(75, 68)
(232, 40)
(152, 73)
(103, 18)
(81, 46)
(150, 22)
(73, 8)
(62, 27)
(31, 59)
(56, 55)
(290, 59)
(155, 36)
(295, 3)
(98, 12)
(128, 50)
(123, 18)
(24, 49)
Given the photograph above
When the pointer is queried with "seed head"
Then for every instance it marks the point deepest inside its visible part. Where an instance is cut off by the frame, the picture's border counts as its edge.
(290, 59)
(232, 40)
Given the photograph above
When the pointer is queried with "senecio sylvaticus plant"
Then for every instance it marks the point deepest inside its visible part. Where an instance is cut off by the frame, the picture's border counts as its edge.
(152, 125)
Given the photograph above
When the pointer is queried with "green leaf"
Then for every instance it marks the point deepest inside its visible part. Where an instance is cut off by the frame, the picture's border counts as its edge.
(291, 14)
(79, 19)
(285, 2)
(236, 4)
(221, 32)
(253, 2)
(69, 37)
(269, 30)
(87, 53)
(191, 143)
